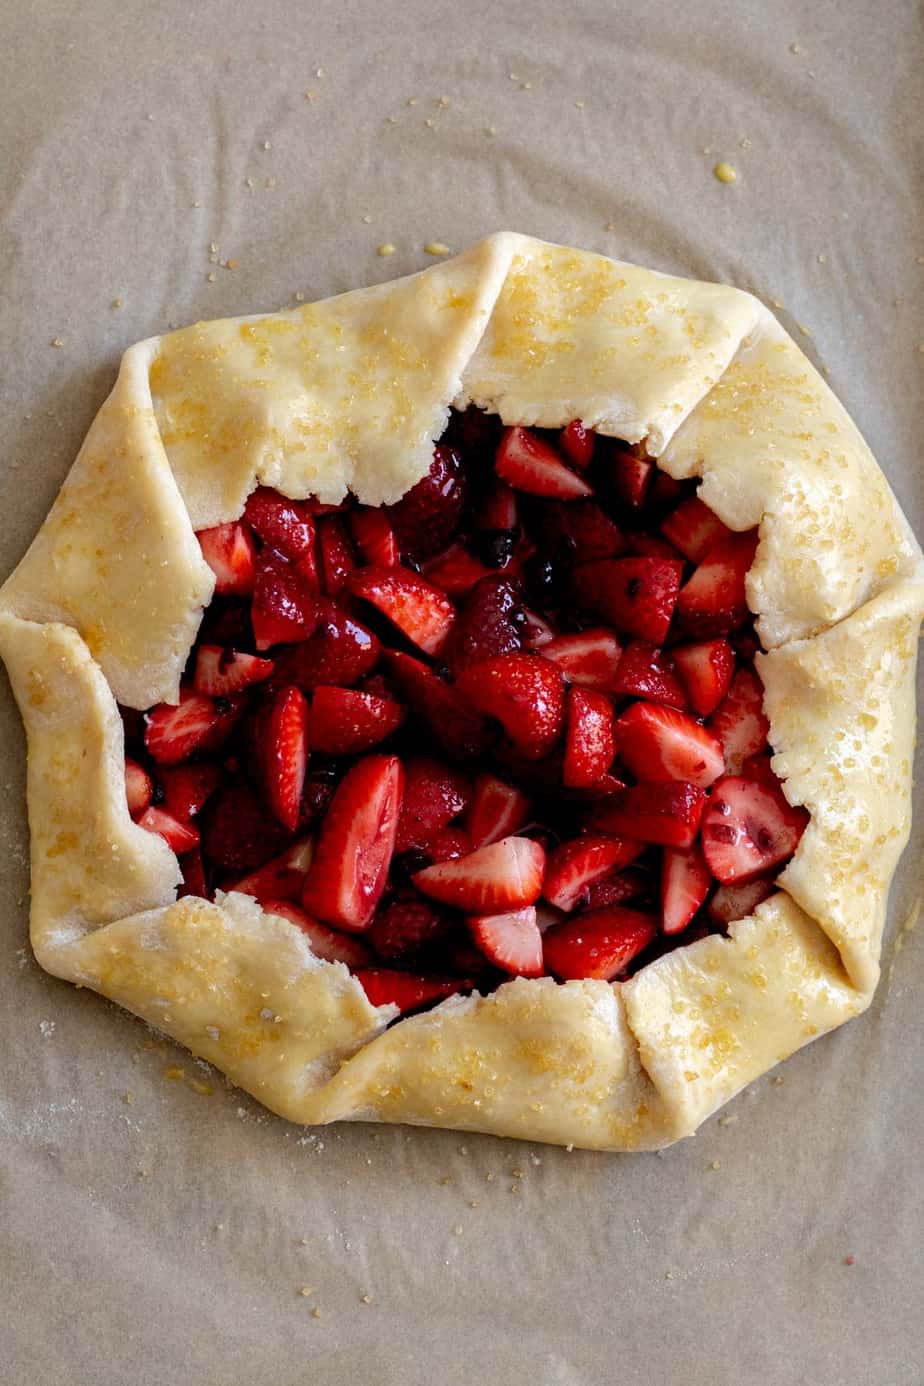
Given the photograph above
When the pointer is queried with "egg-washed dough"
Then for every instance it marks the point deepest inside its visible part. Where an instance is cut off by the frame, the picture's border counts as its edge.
(351, 393)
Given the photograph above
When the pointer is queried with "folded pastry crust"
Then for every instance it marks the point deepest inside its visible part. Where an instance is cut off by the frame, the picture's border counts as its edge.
(351, 393)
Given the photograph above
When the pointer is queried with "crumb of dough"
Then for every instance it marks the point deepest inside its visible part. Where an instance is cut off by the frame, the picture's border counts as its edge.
(128, 1098)
(117, 303)
(729, 1119)
(57, 342)
(745, 143)
(306, 1290)
(232, 264)
(311, 94)
(386, 248)
(211, 276)
(436, 248)
(795, 48)
(457, 1230)
(299, 296)
(267, 145)
(725, 173)
(473, 1203)
(779, 1080)
(430, 123)
(365, 1299)
(716, 1164)
(447, 1179)
(526, 86)
(315, 1313)
(444, 103)
(490, 130)
(174, 1073)
(463, 1149)
(580, 105)
(367, 221)
(412, 100)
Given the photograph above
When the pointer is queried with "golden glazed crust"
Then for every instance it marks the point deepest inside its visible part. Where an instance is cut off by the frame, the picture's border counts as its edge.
(351, 393)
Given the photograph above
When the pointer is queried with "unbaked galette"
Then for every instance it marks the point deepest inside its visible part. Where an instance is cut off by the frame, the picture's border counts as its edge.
(483, 700)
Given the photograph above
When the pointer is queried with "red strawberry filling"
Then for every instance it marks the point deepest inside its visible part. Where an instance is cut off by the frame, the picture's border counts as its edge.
(509, 726)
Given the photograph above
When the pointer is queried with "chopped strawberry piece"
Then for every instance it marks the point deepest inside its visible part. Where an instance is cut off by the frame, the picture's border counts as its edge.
(229, 551)
(665, 489)
(616, 888)
(667, 813)
(660, 743)
(636, 595)
(731, 902)
(644, 545)
(283, 751)
(706, 669)
(220, 672)
(749, 828)
(188, 788)
(503, 876)
(173, 733)
(576, 865)
(600, 944)
(589, 744)
(740, 722)
(713, 602)
(324, 942)
(355, 846)
(645, 671)
(532, 465)
(283, 609)
(194, 879)
(405, 928)
(426, 519)
(341, 651)
(536, 630)
(455, 571)
(628, 476)
(386, 987)
(374, 537)
(489, 623)
(510, 941)
(434, 794)
(417, 608)
(497, 809)
(344, 721)
(694, 529)
(745, 643)
(448, 844)
(759, 768)
(279, 879)
(603, 788)
(457, 729)
(577, 443)
(525, 692)
(179, 837)
(578, 532)
(337, 557)
(138, 787)
(284, 525)
(590, 658)
(237, 832)
(685, 883)
(497, 516)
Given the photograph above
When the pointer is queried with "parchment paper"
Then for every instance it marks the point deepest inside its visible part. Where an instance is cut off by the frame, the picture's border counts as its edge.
(153, 1232)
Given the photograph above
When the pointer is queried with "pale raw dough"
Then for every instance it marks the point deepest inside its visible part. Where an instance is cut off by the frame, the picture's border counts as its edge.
(351, 393)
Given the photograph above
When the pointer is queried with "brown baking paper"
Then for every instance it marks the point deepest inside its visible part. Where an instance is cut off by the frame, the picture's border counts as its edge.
(171, 162)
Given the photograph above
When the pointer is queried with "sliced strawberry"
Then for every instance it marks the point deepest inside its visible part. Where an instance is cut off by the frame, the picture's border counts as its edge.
(355, 845)
(532, 465)
(229, 551)
(503, 876)
(279, 879)
(337, 557)
(283, 609)
(386, 987)
(341, 651)
(489, 623)
(173, 733)
(283, 752)
(578, 532)
(455, 571)
(576, 865)
(590, 658)
(525, 692)
(220, 672)
(713, 602)
(731, 902)
(449, 844)
(628, 476)
(417, 608)
(617, 888)
(405, 928)
(188, 788)
(194, 879)
(660, 743)
(426, 519)
(284, 525)
(646, 671)
(740, 722)
(667, 813)
(434, 794)
(497, 510)
(599, 944)
(589, 745)
(577, 443)
(536, 630)
(237, 832)
(344, 721)
(324, 942)
(694, 529)
(510, 941)
(138, 787)
(179, 837)
(748, 829)
(636, 595)
(603, 788)
(458, 729)
(643, 544)
(497, 809)
(685, 883)
(706, 669)
(374, 537)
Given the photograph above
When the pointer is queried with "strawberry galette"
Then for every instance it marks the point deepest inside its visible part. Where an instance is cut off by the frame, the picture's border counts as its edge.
(484, 700)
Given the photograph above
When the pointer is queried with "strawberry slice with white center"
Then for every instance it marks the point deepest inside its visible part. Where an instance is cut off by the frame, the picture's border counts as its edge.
(374, 537)
(510, 941)
(574, 866)
(280, 879)
(188, 788)
(532, 465)
(694, 529)
(706, 669)
(525, 692)
(600, 944)
(229, 551)
(179, 837)
(503, 876)
(645, 671)
(636, 595)
(628, 476)
(220, 672)
(618, 888)
(324, 942)
(497, 810)
(590, 658)
(668, 814)
(685, 883)
(173, 733)
(434, 794)
(283, 610)
(749, 828)
(714, 601)
(344, 721)
(283, 750)
(418, 609)
(285, 525)
(589, 742)
(138, 787)
(577, 443)
(740, 722)
(337, 557)
(385, 986)
(660, 743)
(356, 844)
(731, 902)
